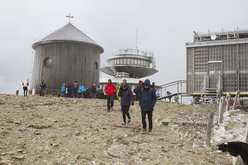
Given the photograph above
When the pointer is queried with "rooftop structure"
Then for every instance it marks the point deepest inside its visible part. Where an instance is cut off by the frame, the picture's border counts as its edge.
(218, 61)
(68, 33)
(132, 62)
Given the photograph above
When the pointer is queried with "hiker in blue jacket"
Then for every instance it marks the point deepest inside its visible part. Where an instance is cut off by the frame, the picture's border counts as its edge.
(147, 100)
(63, 89)
(126, 95)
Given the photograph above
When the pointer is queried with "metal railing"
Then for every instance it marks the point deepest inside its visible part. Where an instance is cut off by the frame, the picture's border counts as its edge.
(179, 89)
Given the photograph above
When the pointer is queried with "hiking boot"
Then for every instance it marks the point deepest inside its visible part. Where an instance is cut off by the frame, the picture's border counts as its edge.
(111, 108)
(150, 130)
(108, 110)
(144, 130)
(129, 120)
(123, 123)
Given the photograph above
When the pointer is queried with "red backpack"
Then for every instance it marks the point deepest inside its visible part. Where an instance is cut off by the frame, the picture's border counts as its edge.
(75, 85)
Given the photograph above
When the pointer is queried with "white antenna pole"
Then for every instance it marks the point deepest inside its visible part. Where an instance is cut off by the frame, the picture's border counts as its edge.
(136, 37)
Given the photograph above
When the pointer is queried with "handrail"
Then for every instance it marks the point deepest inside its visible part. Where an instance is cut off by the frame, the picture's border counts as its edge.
(174, 82)
(179, 90)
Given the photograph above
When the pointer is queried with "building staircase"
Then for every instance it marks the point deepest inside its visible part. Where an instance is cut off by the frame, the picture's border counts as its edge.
(208, 95)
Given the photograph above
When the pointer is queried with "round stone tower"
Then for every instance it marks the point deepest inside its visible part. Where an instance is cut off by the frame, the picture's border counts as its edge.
(64, 56)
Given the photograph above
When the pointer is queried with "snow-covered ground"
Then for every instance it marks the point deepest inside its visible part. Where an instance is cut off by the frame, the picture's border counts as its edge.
(233, 127)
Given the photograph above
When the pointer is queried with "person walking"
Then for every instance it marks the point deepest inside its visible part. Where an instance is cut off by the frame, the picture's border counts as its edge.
(125, 81)
(126, 95)
(168, 93)
(93, 90)
(110, 90)
(153, 86)
(157, 93)
(99, 92)
(139, 88)
(25, 87)
(75, 89)
(118, 87)
(70, 89)
(147, 100)
(42, 88)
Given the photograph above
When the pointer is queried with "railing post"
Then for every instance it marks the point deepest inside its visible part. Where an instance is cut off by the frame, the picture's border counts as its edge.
(246, 134)
(236, 100)
(221, 108)
(181, 86)
(209, 128)
(228, 96)
(161, 95)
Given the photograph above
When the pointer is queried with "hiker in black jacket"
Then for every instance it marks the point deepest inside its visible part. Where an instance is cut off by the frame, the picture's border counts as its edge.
(147, 100)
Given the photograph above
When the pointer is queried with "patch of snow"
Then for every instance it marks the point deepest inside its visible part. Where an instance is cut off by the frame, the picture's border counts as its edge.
(232, 128)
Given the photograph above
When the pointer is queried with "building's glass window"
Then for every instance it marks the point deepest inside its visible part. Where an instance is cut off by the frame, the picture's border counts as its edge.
(47, 61)
(147, 64)
(96, 65)
(128, 61)
(132, 61)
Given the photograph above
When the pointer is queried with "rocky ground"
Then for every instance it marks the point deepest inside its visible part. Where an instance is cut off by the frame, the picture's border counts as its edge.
(61, 131)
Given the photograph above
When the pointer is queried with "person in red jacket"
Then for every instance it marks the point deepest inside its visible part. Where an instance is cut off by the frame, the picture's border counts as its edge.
(110, 90)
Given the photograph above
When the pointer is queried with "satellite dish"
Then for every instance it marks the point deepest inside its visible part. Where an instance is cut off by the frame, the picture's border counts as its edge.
(213, 37)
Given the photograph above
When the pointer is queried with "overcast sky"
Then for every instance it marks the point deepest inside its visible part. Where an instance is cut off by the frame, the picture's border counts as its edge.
(162, 26)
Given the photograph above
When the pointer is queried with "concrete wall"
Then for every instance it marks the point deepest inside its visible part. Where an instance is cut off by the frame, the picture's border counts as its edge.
(233, 68)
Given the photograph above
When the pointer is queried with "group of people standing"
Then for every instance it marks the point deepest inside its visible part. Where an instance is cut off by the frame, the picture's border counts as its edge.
(72, 89)
(145, 95)
(25, 85)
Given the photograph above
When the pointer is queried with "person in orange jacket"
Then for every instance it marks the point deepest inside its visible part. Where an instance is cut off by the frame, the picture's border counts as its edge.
(110, 90)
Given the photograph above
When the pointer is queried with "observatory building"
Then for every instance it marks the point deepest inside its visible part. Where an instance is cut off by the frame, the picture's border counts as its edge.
(137, 63)
(217, 62)
(66, 55)
(131, 64)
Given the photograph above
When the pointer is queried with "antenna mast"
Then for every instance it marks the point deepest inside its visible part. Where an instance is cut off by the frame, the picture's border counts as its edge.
(136, 38)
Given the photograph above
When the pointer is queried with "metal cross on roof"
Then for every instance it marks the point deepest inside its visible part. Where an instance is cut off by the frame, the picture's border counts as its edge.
(70, 16)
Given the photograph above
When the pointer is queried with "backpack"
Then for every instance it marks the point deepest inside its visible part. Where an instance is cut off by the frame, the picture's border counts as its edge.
(75, 85)
(141, 91)
(151, 89)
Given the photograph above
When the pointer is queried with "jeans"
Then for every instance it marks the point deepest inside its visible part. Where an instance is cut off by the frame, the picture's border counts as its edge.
(93, 95)
(149, 114)
(110, 101)
(125, 109)
(42, 92)
(25, 91)
(75, 92)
